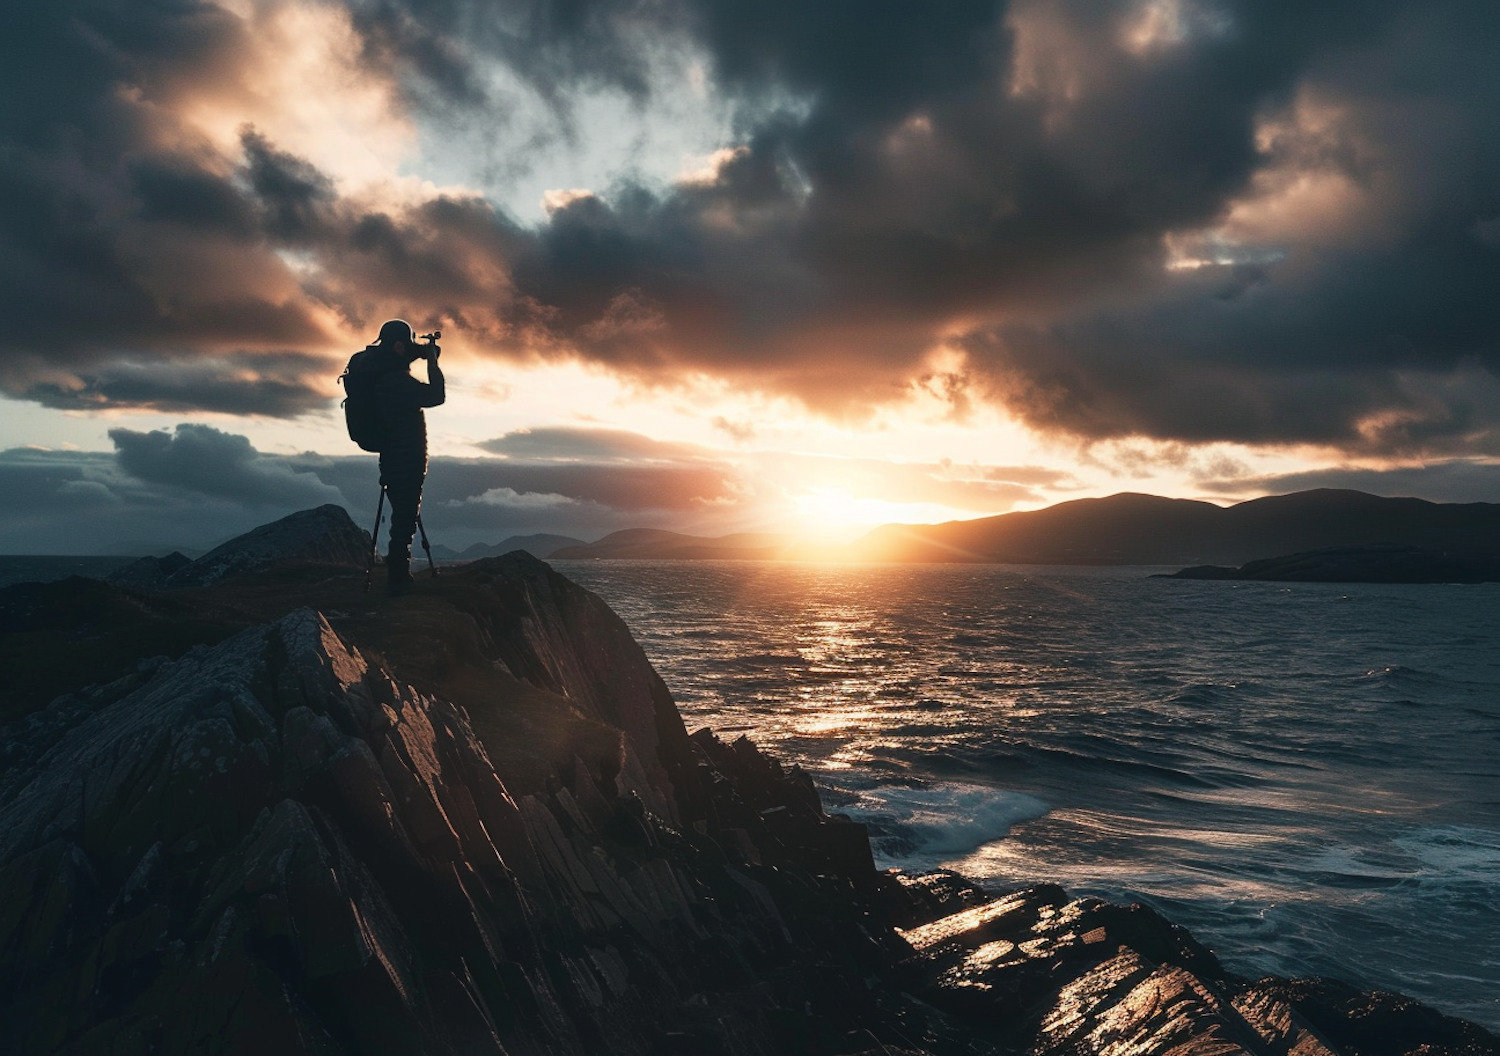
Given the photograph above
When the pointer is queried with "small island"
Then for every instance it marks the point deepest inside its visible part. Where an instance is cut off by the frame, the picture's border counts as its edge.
(1358, 564)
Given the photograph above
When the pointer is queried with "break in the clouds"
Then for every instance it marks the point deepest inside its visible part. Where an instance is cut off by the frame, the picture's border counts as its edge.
(1191, 220)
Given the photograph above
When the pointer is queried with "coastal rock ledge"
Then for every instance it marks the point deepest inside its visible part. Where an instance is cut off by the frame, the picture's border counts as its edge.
(472, 822)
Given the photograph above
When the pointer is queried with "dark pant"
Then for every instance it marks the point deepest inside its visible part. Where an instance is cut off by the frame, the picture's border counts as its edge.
(402, 479)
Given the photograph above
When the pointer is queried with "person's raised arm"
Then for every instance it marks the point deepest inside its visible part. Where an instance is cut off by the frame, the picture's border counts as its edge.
(436, 390)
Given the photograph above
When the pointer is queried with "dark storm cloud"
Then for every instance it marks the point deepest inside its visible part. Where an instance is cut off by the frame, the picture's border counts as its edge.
(570, 443)
(1024, 167)
(119, 246)
(275, 384)
(72, 502)
(629, 488)
(1008, 181)
(208, 461)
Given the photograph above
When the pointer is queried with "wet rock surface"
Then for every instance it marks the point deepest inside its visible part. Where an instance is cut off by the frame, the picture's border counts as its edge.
(471, 821)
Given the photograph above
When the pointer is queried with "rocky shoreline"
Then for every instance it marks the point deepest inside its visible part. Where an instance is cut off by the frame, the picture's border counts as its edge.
(472, 821)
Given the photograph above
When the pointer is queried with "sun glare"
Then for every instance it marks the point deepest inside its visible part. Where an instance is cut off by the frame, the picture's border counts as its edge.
(834, 515)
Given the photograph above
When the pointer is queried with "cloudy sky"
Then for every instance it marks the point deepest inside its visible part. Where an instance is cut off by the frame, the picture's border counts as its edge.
(724, 264)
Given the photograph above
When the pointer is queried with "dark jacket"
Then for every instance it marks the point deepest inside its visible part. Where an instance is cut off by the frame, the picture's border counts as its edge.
(404, 427)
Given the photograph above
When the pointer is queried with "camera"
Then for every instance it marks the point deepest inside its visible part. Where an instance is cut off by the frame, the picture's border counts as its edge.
(430, 338)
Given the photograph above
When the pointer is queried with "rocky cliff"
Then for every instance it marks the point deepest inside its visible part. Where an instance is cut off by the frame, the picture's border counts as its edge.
(471, 821)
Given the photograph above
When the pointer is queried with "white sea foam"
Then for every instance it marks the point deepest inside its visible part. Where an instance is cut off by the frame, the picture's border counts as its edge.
(1455, 852)
(945, 819)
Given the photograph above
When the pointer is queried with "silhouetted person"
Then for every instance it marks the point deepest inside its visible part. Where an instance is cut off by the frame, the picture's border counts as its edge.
(403, 449)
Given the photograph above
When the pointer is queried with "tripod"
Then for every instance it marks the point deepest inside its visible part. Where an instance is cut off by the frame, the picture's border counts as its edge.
(375, 541)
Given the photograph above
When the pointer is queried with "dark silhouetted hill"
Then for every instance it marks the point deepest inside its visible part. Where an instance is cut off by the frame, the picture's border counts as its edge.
(541, 545)
(321, 536)
(1150, 530)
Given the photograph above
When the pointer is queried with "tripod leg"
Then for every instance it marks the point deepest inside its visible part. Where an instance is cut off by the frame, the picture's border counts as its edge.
(375, 539)
(425, 547)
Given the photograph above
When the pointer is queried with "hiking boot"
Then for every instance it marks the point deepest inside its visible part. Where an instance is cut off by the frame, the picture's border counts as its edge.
(399, 579)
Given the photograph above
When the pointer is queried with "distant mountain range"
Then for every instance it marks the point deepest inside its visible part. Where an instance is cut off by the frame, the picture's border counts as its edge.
(540, 546)
(657, 544)
(1135, 529)
(1125, 529)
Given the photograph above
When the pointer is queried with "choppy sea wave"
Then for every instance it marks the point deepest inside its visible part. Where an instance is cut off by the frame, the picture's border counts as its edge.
(1306, 776)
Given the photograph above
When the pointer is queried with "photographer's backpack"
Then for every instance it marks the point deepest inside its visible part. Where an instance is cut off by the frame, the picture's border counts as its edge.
(361, 379)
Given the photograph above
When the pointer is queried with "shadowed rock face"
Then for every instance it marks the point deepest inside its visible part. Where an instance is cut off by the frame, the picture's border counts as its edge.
(271, 845)
(470, 821)
(322, 536)
(148, 573)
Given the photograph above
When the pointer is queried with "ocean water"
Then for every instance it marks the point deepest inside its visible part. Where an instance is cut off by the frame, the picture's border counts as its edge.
(1307, 776)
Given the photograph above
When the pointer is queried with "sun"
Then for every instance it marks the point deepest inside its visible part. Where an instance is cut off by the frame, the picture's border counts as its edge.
(833, 515)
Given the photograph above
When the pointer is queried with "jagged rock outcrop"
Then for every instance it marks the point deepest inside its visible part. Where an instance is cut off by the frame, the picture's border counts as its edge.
(471, 822)
(1058, 976)
(324, 536)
